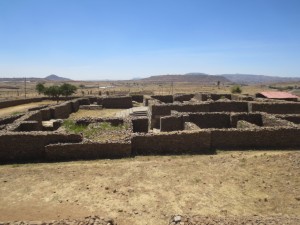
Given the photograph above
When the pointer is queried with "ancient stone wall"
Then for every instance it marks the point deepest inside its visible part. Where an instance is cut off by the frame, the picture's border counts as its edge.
(171, 123)
(273, 121)
(61, 111)
(182, 142)
(17, 146)
(182, 97)
(10, 103)
(294, 118)
(262, 138)
(254, 118)
(138, 98)
(211, 96)
(275, 107)
(117, 102)
(163, 98)
(78, 151)
(228, 106)
(9, 119)
(46, 114)
(140, 124)
(210, 120)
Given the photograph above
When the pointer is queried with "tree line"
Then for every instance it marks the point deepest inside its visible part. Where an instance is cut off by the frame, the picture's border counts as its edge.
(55, 91)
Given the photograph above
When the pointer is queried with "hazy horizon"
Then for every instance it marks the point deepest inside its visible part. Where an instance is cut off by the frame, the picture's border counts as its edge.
(121, 40)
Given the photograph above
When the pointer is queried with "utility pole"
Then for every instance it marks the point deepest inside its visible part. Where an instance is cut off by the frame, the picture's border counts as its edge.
(172, 87)
(25, 86)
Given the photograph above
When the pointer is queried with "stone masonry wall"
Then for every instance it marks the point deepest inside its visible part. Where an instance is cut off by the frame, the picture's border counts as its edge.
(163, 98)
(290, 117)
(140, 124)
(262, 138)
(254, 118)
(171, 123)
(182, 142)
(182, 97)
(22, 146)
(78, 151)
(275, 108)
(117, 102)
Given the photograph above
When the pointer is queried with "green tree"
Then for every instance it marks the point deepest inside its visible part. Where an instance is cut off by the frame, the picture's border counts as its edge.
(40, 88)
(236, 89)
(67, 89)
(53, 92)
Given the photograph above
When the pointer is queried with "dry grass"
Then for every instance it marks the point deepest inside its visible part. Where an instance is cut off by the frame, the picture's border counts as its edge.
(148, 190)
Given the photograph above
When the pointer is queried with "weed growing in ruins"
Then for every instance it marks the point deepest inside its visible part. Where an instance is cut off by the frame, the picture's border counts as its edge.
(16, 113)
(97, 131)
(71, 126)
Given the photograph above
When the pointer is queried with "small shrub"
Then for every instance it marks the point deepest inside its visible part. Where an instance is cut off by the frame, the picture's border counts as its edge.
(236, 89)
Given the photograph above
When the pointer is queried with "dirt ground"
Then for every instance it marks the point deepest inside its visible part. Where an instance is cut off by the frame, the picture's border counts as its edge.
(81, 113)
(22, 108)
(150, 189)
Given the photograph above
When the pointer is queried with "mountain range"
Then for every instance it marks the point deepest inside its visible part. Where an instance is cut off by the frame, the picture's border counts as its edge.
(247, 79)
(223, 78)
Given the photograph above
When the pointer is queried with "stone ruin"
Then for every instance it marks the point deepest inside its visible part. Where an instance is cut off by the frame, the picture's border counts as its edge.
(166, 124)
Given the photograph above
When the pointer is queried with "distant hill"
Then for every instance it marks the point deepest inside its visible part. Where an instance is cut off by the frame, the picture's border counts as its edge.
(51, 77)
(189, 77)
(258, 79)
(54, 77)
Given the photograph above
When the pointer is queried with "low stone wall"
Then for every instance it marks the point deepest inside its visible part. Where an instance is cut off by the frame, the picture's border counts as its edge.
(210, 120)
(228, 106)
(78, 151)
(183, 142)
(138, 98)
(140, 124)
(21, 125)
(211, 96)
(61, 111)
(23, 146)
(294, 118)
(262, 138)
(122, 102)
(30, 126)
(254, 118)
(163, 98)
(182, 97)
(275, 107)
(10, 119)
(5, 104)
(273, 121)
(83, 101)
(91, 107)
(46, 114)
(171, 123)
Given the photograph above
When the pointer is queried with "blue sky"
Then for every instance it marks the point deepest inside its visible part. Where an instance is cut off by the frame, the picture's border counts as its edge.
(122, 39)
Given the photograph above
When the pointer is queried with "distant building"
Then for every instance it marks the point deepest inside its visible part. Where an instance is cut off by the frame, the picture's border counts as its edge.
(279, 95)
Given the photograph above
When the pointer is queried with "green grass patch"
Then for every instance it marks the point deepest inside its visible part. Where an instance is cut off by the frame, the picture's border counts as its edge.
(71, 126)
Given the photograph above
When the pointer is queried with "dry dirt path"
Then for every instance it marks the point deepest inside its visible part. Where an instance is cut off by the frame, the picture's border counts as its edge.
(22, 108)
(148, 190)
